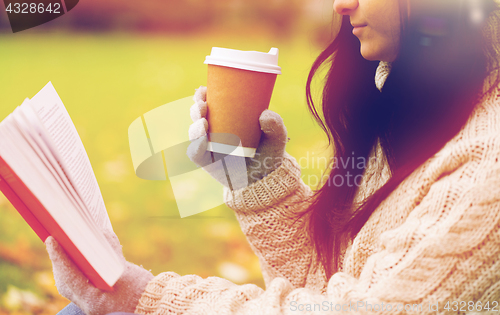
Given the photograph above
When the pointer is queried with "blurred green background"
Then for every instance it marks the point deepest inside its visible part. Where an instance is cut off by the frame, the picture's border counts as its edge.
(112, 61)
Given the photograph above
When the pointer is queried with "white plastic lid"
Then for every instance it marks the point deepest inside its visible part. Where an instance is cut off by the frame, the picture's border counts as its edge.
(231, 149)
(246, 60)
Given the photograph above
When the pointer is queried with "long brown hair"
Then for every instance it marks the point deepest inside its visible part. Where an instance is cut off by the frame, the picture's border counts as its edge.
(427, 98)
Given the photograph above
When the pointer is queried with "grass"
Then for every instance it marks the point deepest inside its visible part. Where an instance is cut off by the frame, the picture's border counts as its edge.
(106, 81)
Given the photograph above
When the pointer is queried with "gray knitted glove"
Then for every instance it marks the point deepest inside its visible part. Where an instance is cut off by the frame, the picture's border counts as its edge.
(236, 172)
(73, 285)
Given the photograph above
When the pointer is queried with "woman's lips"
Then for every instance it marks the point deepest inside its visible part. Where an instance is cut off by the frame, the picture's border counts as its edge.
(358, 28)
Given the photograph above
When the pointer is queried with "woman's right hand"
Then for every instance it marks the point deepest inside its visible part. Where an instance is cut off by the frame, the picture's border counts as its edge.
(241, 171)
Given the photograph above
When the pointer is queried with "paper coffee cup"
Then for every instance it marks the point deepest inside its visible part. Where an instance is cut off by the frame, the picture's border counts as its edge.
(239, 89)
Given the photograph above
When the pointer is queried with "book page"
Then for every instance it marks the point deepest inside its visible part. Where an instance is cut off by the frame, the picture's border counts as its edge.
(69, 151)
(24, 120)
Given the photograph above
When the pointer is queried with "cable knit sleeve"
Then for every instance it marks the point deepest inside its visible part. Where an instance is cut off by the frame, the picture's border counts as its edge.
(267, 212)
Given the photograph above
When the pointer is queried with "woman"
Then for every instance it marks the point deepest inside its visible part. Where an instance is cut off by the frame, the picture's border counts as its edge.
(419, 233)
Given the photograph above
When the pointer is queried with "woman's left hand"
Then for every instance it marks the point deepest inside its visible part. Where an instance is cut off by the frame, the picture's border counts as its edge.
(75, 286)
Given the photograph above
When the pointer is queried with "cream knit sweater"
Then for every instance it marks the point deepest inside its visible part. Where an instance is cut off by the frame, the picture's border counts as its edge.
(434, 240)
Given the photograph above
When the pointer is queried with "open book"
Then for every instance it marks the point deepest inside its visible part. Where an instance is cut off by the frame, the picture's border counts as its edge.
(46, 174)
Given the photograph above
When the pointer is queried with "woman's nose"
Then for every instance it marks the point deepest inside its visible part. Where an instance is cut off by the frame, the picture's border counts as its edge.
(345, 7)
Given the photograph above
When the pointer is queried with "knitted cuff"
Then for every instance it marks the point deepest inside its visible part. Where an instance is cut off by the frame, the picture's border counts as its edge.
(267, 191)
(154, 293)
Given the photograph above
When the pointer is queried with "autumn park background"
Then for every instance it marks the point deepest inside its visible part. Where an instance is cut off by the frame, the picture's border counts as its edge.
(112, 61)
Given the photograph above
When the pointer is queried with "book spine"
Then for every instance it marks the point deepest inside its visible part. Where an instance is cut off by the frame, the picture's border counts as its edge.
(30, 207)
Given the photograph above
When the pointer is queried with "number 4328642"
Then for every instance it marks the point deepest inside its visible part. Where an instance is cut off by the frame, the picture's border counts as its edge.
(34, 8)
(471, 306)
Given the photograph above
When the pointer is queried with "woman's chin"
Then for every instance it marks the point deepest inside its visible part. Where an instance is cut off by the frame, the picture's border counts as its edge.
(371, 54)
(369, 57)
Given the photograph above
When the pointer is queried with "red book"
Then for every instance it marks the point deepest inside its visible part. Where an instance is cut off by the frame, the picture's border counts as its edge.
(46, 174)
(18, 203)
